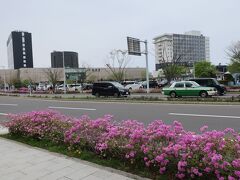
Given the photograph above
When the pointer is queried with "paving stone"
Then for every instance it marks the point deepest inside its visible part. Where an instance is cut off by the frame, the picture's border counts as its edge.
(13, 176)
(64, 178)
(81, 173)
(20, 162)
(59, 174)
(102, 174)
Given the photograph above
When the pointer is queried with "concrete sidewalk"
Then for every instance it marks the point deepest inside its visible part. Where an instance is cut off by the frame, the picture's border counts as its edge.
(22, 162)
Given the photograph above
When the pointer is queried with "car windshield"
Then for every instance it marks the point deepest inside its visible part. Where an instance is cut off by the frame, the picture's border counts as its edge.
(118, 85)
(195, 84)
(217, 83)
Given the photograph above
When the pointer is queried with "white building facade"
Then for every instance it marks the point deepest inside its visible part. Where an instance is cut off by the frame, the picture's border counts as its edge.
(185, 48)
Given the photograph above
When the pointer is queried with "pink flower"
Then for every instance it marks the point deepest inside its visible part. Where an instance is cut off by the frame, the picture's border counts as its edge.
(231, 178)
(237, 173)
(204, 128)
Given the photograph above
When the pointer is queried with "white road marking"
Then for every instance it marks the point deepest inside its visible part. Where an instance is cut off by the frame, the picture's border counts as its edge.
(138, 103)
(8, 104)
(3, 114)
(205, 115)
(70, 108)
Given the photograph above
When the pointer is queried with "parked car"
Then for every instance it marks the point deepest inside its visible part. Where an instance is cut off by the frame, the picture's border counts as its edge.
(211, 82)
(87, 86)
(61, 87)
(109, 89)
(41, 87)
(70, 87)
(125, 83)
(163, 83)
(23, 90)
(188, 88)
(134, 86)
(74, 87)
(152, 84)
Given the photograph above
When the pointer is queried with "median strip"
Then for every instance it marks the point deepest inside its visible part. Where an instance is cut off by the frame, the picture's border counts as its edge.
(72, 108)
(205, 115)
(8, 104)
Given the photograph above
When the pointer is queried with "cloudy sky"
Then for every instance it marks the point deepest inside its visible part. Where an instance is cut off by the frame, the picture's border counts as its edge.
(94, 27)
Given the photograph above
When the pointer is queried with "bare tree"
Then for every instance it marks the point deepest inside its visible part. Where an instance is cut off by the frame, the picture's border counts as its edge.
(171, 64)
(53, 76)
(118, 60)
(234, 54)
(88, 70)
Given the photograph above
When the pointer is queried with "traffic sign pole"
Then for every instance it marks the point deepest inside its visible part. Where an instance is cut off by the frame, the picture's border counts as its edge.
(135, 49)
(147, 73)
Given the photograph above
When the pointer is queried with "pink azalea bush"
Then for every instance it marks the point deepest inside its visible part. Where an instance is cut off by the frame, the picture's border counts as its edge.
(161, 148)
(40, 124)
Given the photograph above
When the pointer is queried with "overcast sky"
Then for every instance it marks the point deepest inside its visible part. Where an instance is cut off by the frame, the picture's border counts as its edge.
(94, 27)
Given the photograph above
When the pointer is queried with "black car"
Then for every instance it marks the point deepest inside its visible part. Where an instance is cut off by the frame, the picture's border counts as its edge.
(152, 84)
(109, 89)
(210, 82)
(87, 86)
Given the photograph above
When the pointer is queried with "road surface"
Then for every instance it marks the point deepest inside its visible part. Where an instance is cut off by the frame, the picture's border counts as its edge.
(192, 116)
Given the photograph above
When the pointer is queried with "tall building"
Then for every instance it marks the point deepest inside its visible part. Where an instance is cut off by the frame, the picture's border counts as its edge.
(70, 59)
(19, 47)
(186, 48)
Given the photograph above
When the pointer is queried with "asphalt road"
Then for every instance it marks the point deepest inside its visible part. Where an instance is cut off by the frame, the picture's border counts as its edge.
(192, 116)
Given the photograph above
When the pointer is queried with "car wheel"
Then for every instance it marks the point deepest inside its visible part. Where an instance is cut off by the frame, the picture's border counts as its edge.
(203, 94)
(116, 95)
(173, 94)
(219, 93)
(97, 95)
(130, 89)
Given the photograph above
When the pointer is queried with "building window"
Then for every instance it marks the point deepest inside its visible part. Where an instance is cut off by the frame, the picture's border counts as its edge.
(24, 65)
(23, 39)
(24, 61)
(23, 48)
(22, 33)
(23, 44)
(24, 53)
(24, 57)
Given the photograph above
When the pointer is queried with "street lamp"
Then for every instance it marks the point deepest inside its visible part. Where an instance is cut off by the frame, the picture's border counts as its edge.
(64, 75)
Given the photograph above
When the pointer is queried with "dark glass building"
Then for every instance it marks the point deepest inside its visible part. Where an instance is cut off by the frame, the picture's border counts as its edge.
(19, 47)
(70, 59)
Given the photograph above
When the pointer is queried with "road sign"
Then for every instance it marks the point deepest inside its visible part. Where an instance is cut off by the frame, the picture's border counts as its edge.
(134, 46)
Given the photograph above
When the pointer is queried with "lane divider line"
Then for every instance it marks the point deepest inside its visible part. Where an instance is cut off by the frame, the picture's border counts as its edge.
(3, 114)
(71, 108)
(205, 115)
(8, 104)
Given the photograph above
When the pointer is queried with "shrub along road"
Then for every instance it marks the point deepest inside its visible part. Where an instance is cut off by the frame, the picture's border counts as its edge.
(192, 116)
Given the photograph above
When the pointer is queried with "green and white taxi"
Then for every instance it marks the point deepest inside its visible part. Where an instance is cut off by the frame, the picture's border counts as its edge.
(188, 88)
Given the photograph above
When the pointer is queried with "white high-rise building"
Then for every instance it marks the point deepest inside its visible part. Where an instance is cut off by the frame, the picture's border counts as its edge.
(185, 48)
